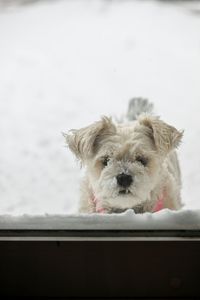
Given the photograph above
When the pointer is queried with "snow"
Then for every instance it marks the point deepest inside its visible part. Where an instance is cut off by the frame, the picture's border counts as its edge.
(63, 64)
(163, 220)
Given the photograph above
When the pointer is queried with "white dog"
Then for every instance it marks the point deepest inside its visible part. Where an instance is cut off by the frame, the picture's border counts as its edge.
(128, 165)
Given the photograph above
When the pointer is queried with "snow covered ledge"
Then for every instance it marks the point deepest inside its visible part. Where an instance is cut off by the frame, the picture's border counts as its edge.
(162, 220)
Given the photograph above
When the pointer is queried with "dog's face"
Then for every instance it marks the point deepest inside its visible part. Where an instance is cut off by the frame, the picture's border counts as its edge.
(124, 162)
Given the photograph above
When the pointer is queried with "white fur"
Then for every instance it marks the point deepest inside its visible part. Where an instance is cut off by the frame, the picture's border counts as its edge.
(125, 144)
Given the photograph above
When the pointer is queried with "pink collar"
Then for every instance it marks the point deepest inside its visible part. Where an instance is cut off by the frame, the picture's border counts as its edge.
(157, 207)
(98, 208)
(159, 204)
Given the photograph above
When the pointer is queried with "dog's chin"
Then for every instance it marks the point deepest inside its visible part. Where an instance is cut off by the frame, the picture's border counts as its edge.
(124, 200)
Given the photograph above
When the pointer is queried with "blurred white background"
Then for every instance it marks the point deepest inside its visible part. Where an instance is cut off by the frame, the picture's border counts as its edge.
(63, 64)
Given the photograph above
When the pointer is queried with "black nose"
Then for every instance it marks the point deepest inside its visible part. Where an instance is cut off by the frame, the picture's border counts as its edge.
(124, 180)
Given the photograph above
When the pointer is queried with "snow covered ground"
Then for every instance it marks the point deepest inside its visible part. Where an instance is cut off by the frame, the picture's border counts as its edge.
(163, 220)
(63, 64)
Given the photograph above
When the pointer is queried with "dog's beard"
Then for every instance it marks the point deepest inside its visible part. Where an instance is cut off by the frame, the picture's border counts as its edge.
(114, 198)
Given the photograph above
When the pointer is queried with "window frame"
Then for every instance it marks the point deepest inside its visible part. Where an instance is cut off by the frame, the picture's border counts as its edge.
(89, 263)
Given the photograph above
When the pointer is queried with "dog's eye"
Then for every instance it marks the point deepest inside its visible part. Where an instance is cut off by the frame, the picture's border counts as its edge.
(143, 160)
(105, 161)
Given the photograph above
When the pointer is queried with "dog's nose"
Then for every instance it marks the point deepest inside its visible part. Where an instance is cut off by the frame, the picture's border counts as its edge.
(124, 180)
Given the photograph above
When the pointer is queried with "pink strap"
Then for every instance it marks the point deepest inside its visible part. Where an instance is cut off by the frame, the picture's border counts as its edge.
(159, 204)
(100, 210)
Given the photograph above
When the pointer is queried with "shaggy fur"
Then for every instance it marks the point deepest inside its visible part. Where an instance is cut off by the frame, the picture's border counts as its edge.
(143, 148)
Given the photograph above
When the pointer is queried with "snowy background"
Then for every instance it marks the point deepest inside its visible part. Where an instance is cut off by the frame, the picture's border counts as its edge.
(63, 64)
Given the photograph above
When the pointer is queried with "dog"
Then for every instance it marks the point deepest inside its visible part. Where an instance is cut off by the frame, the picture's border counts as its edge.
(129, 165)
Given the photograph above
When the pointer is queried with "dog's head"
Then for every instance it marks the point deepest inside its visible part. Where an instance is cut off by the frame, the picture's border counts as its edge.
(124, 162)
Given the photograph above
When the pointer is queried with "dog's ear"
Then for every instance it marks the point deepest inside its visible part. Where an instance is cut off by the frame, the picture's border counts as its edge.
(165, 137)
(84, 142)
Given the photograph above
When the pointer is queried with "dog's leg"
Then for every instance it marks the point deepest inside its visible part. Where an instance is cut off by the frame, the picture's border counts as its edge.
(86, 204)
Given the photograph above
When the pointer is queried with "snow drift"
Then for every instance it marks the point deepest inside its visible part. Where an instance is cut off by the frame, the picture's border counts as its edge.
(163, 220)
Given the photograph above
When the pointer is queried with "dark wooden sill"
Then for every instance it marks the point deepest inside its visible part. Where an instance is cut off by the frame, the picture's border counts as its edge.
(100, 264)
